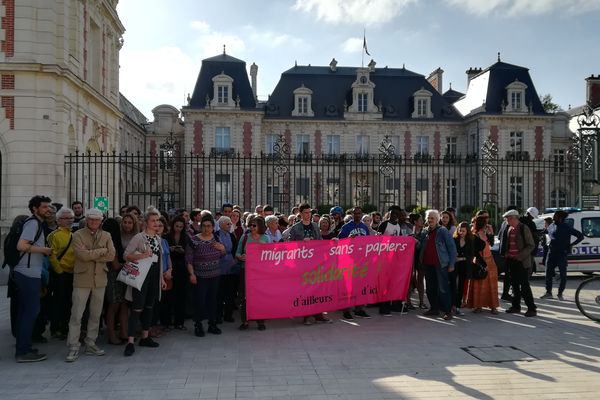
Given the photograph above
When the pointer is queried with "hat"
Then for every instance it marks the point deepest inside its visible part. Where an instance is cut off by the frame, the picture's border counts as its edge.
(510, 213)
(533, 212)
(94, 213)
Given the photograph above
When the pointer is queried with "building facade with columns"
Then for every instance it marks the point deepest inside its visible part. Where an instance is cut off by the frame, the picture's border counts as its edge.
(59, 66)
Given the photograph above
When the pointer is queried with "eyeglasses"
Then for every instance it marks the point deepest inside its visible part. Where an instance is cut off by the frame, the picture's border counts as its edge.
(206, 225)
(68, 218)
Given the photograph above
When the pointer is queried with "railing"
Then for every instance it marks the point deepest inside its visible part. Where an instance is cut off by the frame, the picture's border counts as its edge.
(208, 181)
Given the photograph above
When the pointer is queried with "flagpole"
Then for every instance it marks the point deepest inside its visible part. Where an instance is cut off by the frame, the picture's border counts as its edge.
(362, 52)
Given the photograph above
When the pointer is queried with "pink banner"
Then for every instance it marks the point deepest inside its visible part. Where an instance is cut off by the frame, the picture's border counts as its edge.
(303, 278)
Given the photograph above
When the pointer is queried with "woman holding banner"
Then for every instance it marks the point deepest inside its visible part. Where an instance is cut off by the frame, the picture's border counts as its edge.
(256, 234)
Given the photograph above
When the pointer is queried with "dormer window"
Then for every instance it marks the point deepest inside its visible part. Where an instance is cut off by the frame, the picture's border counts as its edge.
(222, 96)
(422, 104)
(303, 102)
(362, 93)
(363, 102)
(515, 93)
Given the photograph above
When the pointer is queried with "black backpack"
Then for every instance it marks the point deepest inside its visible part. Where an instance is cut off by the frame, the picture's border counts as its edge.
(12, 256)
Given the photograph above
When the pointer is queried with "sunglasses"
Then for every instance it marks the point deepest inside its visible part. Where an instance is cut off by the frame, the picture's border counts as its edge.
(252, 225)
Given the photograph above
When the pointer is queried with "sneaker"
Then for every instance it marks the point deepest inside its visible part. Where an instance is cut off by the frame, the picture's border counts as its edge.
(531, 313)
(72, 356)
(362, 314)
(507, 297)
(431, 313)
(547, 295)
(458, 312)
(447, 316)
(129, 350)
(148, 342)
(560, 297)
(214, 330)
(261, 326)
(93, 350)
(306, 321)
(323, 319)
(385, 313)
(30, 357)
(513, 310)
(348, 315)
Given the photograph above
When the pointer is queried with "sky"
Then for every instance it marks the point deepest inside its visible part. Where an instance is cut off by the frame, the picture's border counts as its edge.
(166, 41)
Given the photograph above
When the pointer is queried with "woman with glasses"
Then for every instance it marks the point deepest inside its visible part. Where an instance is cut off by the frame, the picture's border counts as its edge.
(256, 234)
(202, 255)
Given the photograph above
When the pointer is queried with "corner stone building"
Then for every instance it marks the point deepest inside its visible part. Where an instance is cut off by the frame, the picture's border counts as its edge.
(333, 120)
(59, 66)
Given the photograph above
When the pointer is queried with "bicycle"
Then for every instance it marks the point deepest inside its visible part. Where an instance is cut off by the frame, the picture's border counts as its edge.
(587, 298)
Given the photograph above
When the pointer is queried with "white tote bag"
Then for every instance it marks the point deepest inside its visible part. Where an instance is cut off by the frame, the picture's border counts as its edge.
(134, 273)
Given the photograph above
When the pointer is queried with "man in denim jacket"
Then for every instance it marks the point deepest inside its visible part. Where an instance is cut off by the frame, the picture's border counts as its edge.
(438, 255)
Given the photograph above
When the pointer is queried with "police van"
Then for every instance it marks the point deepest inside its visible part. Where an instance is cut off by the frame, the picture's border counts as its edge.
(585, 256)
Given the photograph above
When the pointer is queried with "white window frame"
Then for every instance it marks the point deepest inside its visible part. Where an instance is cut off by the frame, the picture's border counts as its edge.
(422, 144)
(451, 145)
(516, 192)
(222, 91)
(302, 144)
(223, 188)
(222, 138)
(362, 145)
(270, 140)
(422, 104)
(515, 93)
(333, 145)
(516, 141)
(222, 94)
(363, 102)
(451, 192)
(560, 159)
(303, 102)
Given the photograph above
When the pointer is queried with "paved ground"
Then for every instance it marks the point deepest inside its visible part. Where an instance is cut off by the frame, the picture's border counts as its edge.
(402, 357)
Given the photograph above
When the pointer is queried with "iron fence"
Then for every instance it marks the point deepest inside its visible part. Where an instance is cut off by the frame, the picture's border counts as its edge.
(171, 180)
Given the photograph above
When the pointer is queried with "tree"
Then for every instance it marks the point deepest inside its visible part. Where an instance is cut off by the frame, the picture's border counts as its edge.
(548, 104)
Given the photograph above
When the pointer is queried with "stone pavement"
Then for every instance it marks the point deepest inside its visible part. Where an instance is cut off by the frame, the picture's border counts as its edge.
(402, 357)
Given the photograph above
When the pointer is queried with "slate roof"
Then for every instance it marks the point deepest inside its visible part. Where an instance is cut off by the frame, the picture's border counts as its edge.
(130, 111)
(394, 88)
(452, 96)
(490, 86)
(231, 66)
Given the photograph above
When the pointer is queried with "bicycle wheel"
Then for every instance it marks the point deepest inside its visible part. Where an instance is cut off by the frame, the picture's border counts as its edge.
(587, 298)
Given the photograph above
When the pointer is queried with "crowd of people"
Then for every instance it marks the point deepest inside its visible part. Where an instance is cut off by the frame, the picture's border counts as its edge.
(74, 258)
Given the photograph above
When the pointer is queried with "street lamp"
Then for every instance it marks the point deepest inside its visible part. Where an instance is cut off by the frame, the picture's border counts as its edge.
(583, 149)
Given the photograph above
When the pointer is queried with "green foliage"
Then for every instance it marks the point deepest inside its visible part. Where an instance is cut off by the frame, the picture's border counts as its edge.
(548, 104)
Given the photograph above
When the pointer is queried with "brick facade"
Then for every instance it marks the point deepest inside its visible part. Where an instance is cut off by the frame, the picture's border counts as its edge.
(7, 46)
(198, 145)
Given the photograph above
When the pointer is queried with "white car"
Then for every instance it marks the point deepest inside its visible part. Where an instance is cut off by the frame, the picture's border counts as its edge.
(585, 256)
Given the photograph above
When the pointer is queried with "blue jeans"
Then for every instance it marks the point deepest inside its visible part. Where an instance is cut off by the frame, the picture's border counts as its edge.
(552, 262)
(438, 288)
(28, 295)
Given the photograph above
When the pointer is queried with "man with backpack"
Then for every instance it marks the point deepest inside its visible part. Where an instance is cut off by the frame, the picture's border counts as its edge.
(27, 276)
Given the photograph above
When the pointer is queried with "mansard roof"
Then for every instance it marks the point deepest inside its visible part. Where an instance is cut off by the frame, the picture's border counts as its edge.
(231, 66)
(452, 95)
(394, 89)
(489, 87)
(130, 111)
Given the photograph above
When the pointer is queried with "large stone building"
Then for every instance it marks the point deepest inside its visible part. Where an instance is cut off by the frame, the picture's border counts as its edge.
(59, 66)
(333, 120)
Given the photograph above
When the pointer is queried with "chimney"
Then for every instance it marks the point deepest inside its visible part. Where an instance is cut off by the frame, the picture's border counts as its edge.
(253, 72)
(435, 78)
(471, 72)
(592, 92)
